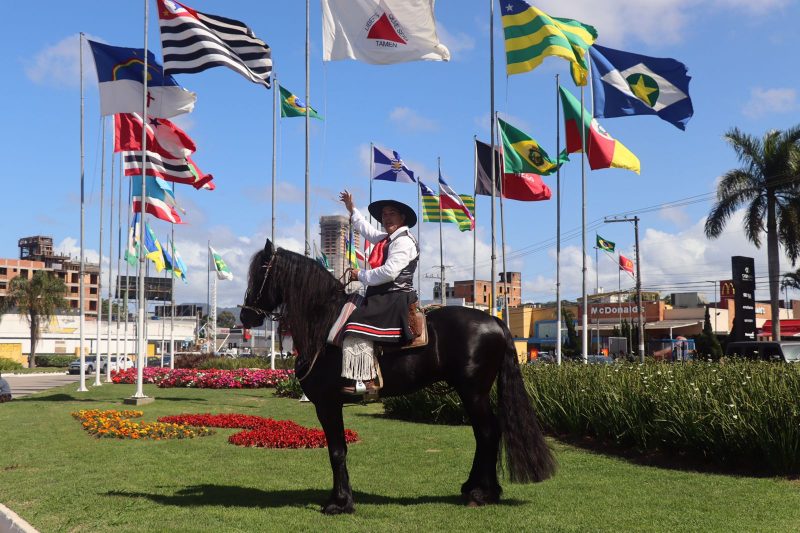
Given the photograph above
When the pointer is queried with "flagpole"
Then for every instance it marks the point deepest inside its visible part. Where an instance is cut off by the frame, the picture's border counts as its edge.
(98, 353)
(214, 314)
(442, 288)
(596, 293)
(208, 295)
(584, 314)
(558, 226)
(506, 283)
(172, 308)
(110, 272)
(82, 342)
(308, 89)
(493, 294)
(119, 252)
(274, 148)
(126, 297)
(475, 229)
(372, 173)
(163, 332)
(142, 338)
(419, 241)
(619, 300)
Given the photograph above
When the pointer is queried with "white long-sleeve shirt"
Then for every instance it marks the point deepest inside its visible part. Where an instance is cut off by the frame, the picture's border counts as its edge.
(400, 252)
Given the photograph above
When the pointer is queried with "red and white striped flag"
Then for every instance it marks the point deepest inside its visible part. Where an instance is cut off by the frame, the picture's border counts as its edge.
(449, 199)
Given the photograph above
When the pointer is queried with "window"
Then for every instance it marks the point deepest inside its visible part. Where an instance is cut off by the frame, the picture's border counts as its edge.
(92, 290)
(24, 273)
(73, 290)
(3, 271)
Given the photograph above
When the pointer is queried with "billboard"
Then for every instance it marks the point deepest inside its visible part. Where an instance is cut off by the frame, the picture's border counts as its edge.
(744, 288)
(158, 289)
(726, 292)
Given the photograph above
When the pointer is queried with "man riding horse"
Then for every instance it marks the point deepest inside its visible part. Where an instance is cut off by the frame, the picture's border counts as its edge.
(383, 317)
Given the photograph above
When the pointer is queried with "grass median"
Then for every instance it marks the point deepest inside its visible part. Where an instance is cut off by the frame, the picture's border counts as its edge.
(406, 477)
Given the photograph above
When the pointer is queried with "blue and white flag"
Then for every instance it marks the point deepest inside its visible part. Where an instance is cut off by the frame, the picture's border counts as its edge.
(387, 166)
(119, 75)
(631, 84)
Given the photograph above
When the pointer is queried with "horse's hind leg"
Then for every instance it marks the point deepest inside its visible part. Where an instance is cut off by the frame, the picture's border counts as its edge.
(341, 498)
(482, 486)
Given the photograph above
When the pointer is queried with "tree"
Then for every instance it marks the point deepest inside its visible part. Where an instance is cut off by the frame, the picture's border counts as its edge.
(767, 185)
(226, 320)
(707, 343)
(572, 336)
(37, 299)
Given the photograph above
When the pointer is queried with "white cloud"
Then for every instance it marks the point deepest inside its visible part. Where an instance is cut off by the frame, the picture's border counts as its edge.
(676, 216)
(409, 120)
(59, 64)
(655, 22)
(769, 101)
(456, 43)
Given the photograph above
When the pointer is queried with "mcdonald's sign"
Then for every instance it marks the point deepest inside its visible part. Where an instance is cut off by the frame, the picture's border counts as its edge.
(726, 291)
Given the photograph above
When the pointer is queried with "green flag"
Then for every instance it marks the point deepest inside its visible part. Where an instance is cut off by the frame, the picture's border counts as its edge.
(605, 245)
(292, 106)
(222, 270)
(523, 155)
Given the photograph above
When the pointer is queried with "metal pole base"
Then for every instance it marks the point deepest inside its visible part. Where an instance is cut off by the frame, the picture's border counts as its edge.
(134, 400)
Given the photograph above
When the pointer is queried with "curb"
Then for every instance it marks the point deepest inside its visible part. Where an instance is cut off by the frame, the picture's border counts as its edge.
(11, 522)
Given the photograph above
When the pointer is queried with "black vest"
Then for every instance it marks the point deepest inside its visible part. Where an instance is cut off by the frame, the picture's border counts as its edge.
(404, 282)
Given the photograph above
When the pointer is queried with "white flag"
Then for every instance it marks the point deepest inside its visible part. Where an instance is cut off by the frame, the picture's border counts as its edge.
(380, 31)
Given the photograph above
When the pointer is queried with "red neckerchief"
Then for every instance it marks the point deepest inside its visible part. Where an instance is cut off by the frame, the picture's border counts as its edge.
(378, 254)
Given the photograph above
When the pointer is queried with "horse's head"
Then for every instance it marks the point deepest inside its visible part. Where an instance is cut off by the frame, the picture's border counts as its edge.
(260, 299)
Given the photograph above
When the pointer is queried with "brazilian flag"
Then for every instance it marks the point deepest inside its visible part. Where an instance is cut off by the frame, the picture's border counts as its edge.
(606, 246)
(292, 106)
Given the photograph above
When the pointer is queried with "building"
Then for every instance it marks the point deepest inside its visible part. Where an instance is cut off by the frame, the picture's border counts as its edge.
(36, 253)
(334, 230)
(510, 289)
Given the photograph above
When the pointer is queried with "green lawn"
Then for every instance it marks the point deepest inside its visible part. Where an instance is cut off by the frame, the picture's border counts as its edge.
(406, 477)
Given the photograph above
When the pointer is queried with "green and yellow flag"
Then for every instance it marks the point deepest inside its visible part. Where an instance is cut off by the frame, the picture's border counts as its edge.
(531, 35)
(523, 155)
(604, 244)
(292, 106)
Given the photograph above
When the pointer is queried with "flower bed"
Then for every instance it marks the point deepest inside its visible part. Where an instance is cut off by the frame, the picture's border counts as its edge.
(114, 424)
(261, 432)
(242, 378)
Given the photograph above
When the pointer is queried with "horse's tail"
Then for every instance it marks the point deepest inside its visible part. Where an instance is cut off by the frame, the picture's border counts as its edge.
(528, 458)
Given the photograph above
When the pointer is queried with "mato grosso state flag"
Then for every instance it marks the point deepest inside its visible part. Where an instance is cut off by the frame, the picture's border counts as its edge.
(626, 84)
(605, 244)
(220, 267)
(523, 155)
(292, 106)
(380, 31)
(192, 41)
(603, 151)
(531, 35)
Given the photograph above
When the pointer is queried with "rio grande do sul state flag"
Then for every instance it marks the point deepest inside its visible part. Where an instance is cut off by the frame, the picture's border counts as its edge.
(380, 31)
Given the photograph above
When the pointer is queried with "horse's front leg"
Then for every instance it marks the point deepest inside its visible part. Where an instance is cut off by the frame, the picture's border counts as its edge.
(341, 499)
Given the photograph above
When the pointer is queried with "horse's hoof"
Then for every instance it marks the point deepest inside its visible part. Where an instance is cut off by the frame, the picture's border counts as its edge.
(478, 497)
(334, 508)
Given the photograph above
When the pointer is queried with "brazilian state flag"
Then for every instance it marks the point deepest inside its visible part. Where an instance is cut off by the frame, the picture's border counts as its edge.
(523, 155)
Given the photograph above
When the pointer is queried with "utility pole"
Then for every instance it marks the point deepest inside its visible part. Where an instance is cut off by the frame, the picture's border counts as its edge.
(440, 277)
(635, 221)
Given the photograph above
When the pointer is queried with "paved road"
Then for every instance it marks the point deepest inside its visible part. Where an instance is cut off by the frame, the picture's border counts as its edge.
(25, 384)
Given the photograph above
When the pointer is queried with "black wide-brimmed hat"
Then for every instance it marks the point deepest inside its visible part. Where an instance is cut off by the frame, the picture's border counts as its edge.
(376, 210)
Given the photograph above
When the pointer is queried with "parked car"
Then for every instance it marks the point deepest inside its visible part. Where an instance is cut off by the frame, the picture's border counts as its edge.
(88, 365)
(122, 362)
(780, 352)
(156, 361)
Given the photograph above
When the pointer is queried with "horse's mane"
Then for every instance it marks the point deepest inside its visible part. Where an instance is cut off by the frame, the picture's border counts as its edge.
(312, 297)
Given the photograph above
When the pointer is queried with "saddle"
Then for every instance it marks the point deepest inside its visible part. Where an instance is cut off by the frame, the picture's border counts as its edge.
(418, 326)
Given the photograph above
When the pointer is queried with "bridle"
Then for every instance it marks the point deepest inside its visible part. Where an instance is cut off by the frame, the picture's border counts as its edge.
(274, 315)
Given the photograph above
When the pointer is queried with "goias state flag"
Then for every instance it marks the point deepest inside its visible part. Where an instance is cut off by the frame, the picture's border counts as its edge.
(380, 31)
(603, 150)
(625, 264)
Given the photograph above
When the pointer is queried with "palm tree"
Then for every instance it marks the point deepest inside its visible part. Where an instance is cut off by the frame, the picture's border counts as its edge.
(37, 299)
(767, 186)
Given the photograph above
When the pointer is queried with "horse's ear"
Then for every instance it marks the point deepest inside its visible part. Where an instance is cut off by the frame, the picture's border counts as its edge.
(268, 248)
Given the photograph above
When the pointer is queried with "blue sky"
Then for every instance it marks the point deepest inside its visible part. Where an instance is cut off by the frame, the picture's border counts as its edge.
(738, 53)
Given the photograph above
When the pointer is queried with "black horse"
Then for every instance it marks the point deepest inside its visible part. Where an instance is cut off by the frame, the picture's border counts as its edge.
(467, 349)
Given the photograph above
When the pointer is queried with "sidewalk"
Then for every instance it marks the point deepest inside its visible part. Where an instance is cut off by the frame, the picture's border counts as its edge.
(26, 384)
